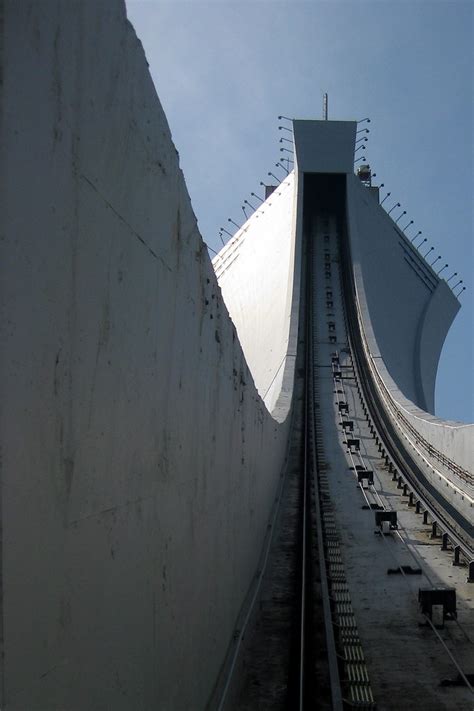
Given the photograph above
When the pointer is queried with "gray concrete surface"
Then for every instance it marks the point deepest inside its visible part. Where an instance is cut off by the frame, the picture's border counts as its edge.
(138, 461)
(405, 661)
(410, 308)
(405, 312)
(404, 335)
(258, 273)
(324, 146)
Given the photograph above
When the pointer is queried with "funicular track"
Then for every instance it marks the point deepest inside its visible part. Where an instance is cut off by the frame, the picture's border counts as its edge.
(304, 649)
(456, 531)
(348, 676)
(352, 367)
(444, 517)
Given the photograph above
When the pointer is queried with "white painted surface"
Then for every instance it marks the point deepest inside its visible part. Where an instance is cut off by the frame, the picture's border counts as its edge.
(409, 320)
(406, 312)
(139, 463)
(258, 272)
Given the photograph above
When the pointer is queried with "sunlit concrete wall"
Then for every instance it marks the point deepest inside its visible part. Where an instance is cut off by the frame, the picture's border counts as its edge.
(259, 273)
(138, 461)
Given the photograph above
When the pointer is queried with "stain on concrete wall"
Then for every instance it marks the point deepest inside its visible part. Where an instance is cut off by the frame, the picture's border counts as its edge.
(138, 461)
(258, 271)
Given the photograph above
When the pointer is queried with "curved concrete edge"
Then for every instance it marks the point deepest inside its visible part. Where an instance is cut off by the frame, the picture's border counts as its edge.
(399, 288)
(284, 399)
(139, 463)
(454, 440)
(435, 322)
(259, 273)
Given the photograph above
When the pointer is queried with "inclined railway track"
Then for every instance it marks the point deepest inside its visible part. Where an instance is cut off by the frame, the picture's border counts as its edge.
(316, 659)
(348, 675)
(324, 536)
(457, 531)
(349, 688)
(445, 519)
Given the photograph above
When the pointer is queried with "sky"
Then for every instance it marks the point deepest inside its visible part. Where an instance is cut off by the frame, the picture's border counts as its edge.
(225, 70)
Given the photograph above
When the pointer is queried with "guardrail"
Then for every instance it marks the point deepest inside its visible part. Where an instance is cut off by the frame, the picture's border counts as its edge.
(462, 473)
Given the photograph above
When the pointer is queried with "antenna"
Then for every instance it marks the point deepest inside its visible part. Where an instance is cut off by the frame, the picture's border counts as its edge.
(325, 107)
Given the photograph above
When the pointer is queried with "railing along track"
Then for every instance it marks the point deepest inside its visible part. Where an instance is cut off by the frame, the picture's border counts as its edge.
(444, 514)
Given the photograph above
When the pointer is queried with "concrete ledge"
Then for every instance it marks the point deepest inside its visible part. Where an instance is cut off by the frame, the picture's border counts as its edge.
(447, 446)
(259, 275)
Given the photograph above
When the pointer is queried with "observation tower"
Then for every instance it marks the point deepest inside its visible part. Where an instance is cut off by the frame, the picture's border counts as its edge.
(223, 483)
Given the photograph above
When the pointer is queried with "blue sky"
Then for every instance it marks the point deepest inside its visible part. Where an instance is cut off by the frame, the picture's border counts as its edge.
(225, 70)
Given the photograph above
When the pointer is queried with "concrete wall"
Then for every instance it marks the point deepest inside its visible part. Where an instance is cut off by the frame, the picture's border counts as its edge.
(258, 271)
(324, 146)
(411, 310)
(405, 313)
(405, 308)
(138, 461)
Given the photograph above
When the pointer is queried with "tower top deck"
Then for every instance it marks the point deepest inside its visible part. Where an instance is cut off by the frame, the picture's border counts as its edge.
(324, 146)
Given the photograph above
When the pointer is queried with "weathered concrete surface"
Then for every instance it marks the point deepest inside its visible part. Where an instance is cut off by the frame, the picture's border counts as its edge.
(138, 461)
(405, 661)
(259, 274)
(324, 146)
(410, 308)
(406, 312)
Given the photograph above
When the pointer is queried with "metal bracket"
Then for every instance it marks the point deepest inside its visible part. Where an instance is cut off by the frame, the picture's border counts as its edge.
(367, 474)
(446, 597)
(389, 516)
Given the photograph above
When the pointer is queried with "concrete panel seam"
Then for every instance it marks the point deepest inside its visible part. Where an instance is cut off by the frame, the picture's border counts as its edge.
(122, 219)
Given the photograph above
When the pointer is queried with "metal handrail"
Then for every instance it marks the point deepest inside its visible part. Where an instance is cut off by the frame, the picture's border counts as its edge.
(462, 473)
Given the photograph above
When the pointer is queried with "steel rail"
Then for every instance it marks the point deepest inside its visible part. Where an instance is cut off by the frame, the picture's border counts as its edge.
(433, 627)
(420, 563)
(392, 442)
(333, 663)
(353, 342)
(371, 487)
(406, 464)
(304, 563)
(462, 473)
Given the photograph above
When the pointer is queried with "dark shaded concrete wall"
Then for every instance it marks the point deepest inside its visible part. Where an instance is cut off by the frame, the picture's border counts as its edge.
(138, 462)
